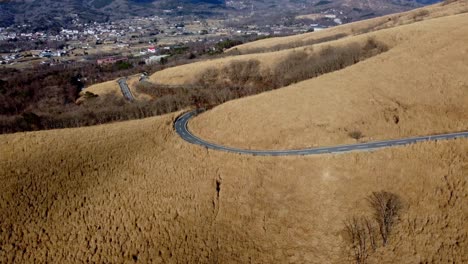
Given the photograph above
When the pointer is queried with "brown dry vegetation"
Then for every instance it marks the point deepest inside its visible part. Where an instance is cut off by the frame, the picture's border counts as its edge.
(103, 89)
(418, 87)
(394, 20)
(262, 50)
(272, 62)
(113, 88)
(288, 45)
(296, 66)
(136, 191)
(237, 79)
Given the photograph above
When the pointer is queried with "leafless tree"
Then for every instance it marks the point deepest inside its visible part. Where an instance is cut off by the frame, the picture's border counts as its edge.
(385, 206)
(371, 232)
(357, 234)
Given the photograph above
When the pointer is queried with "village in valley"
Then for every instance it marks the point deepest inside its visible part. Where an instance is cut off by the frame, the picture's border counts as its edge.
(147, 39)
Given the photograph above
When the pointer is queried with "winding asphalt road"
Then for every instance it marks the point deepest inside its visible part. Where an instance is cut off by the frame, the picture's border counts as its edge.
(181, 129)
(125, 90)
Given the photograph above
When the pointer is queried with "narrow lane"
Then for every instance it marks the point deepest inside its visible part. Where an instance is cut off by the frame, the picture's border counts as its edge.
(125, 89)
(181, 128)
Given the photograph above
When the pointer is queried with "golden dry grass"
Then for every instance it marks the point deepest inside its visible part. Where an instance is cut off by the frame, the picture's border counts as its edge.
(188, 73)
(393, 20)
(105, 88)
(112, 88)
(135, 190)
(421, 83)
(132, 82)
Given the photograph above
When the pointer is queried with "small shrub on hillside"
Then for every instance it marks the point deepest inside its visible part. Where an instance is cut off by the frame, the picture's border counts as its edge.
(361, 235)
(356, 134)
(362, 232)
(418, 16)
(124, 65)
(374, 47)
(446, 2)
(295, 67)
(89, 95)
(191, 56)
(240, 72)
(208, 77)
(227, 44)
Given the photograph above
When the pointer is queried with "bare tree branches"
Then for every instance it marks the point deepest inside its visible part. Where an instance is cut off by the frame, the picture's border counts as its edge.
(237, 79)
(362, 232)
(386, 206)
(356, 230)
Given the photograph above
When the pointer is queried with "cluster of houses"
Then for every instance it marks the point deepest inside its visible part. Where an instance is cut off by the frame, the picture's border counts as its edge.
(155, 59)
(152, 59)
(8, 59)
(111, 60)
(128, 33)
(49, 53)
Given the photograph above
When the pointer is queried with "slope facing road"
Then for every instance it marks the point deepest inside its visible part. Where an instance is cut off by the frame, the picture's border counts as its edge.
(181, 128)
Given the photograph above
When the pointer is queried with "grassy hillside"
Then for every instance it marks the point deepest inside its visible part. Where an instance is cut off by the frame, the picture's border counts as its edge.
(360, 27)
(134, 191)
(188, 73)
(418, 87)
(112, 88)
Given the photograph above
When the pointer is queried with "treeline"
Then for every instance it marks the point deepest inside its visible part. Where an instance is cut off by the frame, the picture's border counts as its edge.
(213, 87)
(45, 88)
(298, 66)
(80, 116)
(11, 45)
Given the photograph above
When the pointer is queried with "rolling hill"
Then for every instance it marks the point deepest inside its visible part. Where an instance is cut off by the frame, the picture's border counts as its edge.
(135, 192)
(398, 97)
(393, 101)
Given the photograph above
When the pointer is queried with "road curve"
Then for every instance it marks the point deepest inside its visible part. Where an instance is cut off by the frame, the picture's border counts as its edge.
(125, 90)
(181, 128)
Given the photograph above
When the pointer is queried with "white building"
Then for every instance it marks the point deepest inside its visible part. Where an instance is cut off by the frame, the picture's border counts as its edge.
(155, 59)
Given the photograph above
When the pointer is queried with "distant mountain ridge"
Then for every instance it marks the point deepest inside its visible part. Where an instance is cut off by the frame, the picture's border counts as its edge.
(53, 14)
